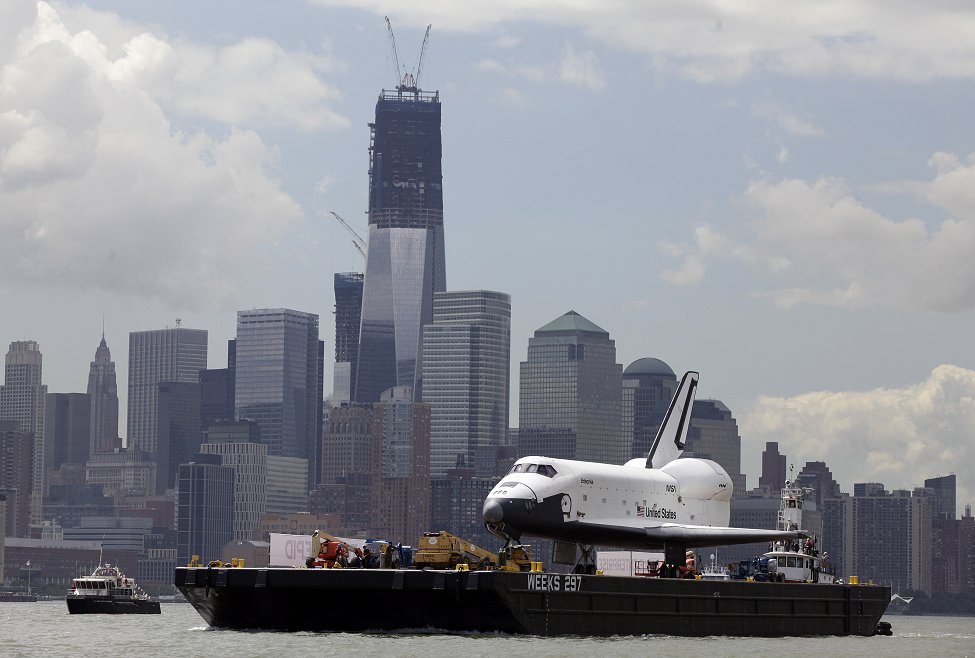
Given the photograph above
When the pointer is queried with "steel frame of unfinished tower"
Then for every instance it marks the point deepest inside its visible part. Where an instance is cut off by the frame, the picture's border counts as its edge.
(405, 257)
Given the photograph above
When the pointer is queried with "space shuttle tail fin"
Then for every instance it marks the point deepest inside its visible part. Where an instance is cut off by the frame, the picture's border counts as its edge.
(669, 443)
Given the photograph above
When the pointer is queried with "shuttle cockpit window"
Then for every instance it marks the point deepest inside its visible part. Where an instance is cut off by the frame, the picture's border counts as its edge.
(542, 469)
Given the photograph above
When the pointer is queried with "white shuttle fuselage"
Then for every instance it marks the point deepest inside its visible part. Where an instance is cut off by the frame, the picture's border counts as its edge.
(657, 502)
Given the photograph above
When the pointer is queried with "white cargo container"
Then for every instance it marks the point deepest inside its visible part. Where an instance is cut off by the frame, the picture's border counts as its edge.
(627, 563)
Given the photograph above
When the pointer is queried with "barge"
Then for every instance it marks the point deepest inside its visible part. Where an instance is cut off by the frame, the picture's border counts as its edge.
(533, 603)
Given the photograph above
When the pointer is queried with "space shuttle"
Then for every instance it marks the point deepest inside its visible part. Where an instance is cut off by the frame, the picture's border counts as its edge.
(657, 503)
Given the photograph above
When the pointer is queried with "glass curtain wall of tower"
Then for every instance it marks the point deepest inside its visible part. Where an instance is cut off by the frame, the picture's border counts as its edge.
(405, 259)
(348, 315)
(162, 355)
(278, 381)
(571, 394)
(466, 368)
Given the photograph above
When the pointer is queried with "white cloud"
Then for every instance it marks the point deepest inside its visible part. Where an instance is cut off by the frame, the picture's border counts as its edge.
(786, 120)
(97, 190)
(831, 249)
(580, 69)
(711, 40)
(898, 436)
(513, 98)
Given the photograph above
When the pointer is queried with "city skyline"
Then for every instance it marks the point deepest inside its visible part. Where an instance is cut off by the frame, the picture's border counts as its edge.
(796, 197)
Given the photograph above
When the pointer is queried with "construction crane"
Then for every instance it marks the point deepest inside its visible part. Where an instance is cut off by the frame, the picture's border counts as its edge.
(357, 240)
(408, 80)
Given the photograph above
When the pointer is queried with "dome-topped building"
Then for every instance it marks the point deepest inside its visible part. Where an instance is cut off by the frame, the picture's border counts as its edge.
(649, 367)
(649, 385)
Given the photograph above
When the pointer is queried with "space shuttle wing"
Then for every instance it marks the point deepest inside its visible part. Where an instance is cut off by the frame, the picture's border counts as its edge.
(703, 535)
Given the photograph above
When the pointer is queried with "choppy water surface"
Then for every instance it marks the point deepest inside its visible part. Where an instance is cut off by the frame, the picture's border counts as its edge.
(46, 629)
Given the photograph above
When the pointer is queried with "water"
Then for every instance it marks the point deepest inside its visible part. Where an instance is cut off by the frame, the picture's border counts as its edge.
(46, 629)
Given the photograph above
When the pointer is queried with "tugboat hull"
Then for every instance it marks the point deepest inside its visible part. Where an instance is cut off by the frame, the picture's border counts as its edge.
(90, 605)
(532, 603)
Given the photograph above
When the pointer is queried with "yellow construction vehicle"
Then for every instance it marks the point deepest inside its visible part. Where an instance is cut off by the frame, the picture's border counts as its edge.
(443, 550)
(515, 557)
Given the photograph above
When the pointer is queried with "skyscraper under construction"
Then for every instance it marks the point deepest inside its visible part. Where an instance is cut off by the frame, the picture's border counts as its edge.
(405, 261)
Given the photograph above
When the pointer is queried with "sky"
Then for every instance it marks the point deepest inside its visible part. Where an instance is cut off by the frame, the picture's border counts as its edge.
(779, 195)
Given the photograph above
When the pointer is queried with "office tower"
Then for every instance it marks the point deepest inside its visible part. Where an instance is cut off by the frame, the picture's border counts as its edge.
(160, 355)
(943, 496)
(178, 431)
(648, 387)
(278, 381)
(376, 471)
(67, 430)
(405, 263)
(571, 394)
(287, 484)
(713, 434)
(249, 461)
(348, 314)
(817, 476)
(204, 510)
(128, 471)
(883, 537)
(16, 475)
(349, 455)
(466, 367)
(103, 392)
(22, 399)
(773, 469)
(217, 391)
(401, 493)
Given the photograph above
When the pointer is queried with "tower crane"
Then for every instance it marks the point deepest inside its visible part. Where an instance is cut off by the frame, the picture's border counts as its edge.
(408, 80)
(357, 240)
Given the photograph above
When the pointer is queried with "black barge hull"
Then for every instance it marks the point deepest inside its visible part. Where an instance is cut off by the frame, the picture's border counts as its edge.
(532, 603)
(90, 605)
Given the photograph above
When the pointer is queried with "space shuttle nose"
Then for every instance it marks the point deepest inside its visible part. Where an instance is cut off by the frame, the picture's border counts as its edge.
(492, 512)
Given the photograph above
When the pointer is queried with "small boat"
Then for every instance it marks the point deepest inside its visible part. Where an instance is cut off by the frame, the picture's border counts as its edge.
(108, 591)
(797, 561)
(715, 571)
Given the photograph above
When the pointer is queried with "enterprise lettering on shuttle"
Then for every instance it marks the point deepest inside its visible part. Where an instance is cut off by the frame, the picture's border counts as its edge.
(549, 582)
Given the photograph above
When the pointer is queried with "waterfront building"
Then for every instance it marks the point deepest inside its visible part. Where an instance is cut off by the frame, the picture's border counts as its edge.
(571, 394)
(103, 394)
(348, 315)
(160, 355)
(204, 509)
(22, 399)
(881, 537)
(278, 382)
(406, 257)
(466, 374)
(649, 386)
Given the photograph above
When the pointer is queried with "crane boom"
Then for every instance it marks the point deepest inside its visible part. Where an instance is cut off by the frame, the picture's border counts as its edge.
(357, 240)
(423, 52)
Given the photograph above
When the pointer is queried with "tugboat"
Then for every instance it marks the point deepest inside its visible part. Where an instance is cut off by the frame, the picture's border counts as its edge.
(108, 591)
(797, 561)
